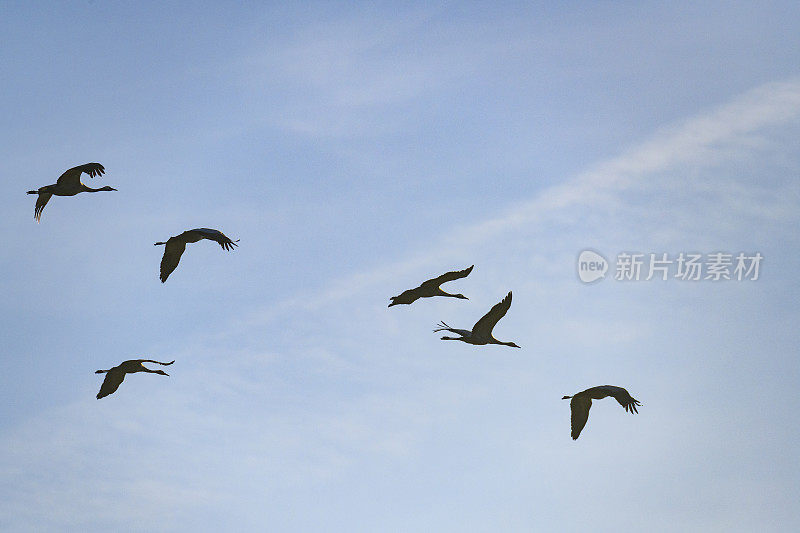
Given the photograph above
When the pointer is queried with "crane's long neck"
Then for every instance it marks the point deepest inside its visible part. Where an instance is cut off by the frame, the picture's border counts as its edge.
(443, 293)
(492, 340)
(86, 188)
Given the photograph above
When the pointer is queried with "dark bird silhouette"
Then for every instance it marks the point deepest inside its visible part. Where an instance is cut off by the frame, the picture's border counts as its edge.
(69, 184)
(431, 288)
(582, 402)
(115, 376)
(482, 330)
(176, 245)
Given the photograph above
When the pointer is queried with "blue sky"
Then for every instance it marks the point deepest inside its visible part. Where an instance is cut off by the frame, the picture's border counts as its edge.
(356, 150)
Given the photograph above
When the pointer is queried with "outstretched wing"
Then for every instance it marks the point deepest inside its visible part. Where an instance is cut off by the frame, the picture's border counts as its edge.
(579, 406)
(444, 278)
(172, 256)
(627, 401)
(153, 361)
(73, 175)
(111, 383)
(218, 236)
(41, 201)
(484, 326)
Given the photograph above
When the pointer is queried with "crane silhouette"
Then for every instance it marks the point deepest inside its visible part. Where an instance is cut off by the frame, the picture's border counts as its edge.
(68, 184)
(581, 403)
(482, 330)
(175, 247)
(431, 288)
(116, 375)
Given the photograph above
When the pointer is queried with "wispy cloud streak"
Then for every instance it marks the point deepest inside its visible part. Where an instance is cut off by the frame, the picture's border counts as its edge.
(701, 141)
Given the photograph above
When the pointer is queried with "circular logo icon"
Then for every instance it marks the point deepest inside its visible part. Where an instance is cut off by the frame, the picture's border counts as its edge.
(591, 266)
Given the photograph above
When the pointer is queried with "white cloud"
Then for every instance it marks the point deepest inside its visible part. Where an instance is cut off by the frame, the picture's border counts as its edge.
(337, 77)
(325, 398)
(700, 142)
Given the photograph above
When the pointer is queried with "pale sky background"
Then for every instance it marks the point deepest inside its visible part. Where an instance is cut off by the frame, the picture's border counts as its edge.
(358, 149)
